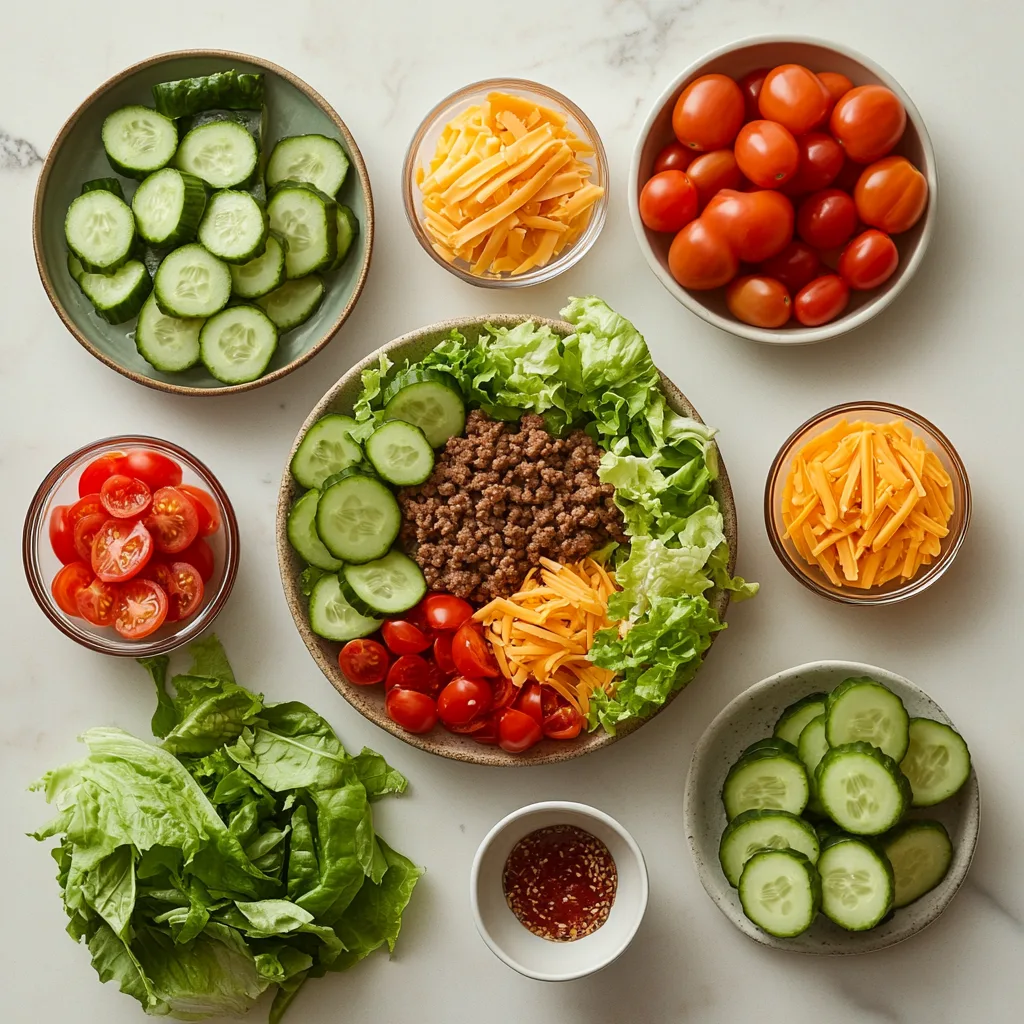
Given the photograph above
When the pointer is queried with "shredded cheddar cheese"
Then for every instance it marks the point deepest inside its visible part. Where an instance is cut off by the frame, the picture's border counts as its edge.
(507, 187)
(867, 502)
(544, 631)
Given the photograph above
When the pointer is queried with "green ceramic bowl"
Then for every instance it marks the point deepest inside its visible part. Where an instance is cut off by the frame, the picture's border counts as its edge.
(77, 155)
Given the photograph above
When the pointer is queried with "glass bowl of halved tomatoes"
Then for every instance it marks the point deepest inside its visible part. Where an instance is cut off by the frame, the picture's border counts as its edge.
(130, 546)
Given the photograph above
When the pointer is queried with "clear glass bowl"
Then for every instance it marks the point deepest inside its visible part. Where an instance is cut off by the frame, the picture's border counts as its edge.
(424, 144)
(60, 487)
(895, 590)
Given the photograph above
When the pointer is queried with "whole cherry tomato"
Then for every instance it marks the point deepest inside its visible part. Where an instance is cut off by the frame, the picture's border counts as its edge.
(794, 266)
(751, 84)
(505, 692)
(674, 157)
(517, 731)
(412, 710)
(207, 509)
(821, 160)
(409, 672)
(767, 153)
(462, 700)
(403, 637)
(821, 301)
(443, 654)
(62, 535)
(445, 611)
(869, 260)
(794, 97)
(837, 85)
(700, 258)
(97, 471)
(471, 654)
(711, 172)
(708, 113)
(756, 225)
(827, 219)
(668, 201)
(363, 662)
(891, 194)
(867, 122)
(758, 301)
(154, 469)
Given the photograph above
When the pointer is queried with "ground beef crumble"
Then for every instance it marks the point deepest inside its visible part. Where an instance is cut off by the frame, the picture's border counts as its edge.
(499, 499)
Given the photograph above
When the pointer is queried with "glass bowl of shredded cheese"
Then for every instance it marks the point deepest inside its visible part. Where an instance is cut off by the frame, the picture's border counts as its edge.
(867, 503)
(506, 183)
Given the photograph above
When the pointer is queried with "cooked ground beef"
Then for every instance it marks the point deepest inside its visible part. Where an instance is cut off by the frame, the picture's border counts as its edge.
(499, 499)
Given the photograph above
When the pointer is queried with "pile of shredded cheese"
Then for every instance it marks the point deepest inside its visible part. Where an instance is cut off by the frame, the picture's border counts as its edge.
(869, 501)
(507, 188)
(544, 631)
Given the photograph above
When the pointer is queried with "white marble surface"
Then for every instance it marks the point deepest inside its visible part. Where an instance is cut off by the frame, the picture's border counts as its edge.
(950, 348)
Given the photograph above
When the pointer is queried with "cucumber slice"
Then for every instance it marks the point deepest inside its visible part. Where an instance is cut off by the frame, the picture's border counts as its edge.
(428, 399)
(100, 231)
(119, 296)
(222, 153)
(103, 185)
(237, 343)
(752, 831)
(308, 220)
(75, 268)
(232, 90)
(792, 721)
(387, 586)
(253, 121)
(348, 228)
(862, 789)
(766, 780)
(920, 853)
(401, 453)
(168, 206)
(167, 342)
(326, 449)
(234, 227)
(358, 518)
(937, 762)
(780, 892)
(857, 885)
(332, 617)
(191, 282)
(315, 159)
(861, 709)
(811, 748)
(294, 302)
(262, 275)
(138, 141)
(771, 743)
(303, 536)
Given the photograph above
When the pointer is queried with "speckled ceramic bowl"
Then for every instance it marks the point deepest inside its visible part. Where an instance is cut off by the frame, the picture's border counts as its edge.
(369, 700)
(752, 716)
(77, 155)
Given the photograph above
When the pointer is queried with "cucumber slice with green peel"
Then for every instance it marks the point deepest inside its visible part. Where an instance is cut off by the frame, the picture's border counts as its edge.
(386, 586)
(920, 853)
(308, 219)
(302, 533)
(358, 518)
(326, 449)
(100, 231)
(253, 121)
(168, 207)
(792, 721)
(428, 399)
(167, 342)
(222, 153)
(348, 228)
(752, 831)
(811, 748)
(234, 227)
(857, 885)
(237, 344)
(766, 780)
(119, 296)
(862, 709)
(937, 762)
(780, 891)
(771, 743)
(262, 275)
(103, 185)
(75, 268)
(315, 159)
(294, 302)
(191, 282)
(138, 140)
(332, 617)
(400, 453)
(826, 828)
(862, 789)
(232, 90)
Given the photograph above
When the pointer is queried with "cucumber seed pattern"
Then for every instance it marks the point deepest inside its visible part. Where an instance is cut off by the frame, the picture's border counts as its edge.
(861, 801)
(848, 887)
(238, 342)
(193, 282)
(139, 135)
(775, 896)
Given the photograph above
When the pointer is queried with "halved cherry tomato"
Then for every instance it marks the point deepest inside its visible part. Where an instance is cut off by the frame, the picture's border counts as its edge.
(708, 113)
(759, 301)
(867, 122)
(154, 469)
(436, 679)
(487, 729)
(97, 471)
(821, 301)
(363, 662)
(517, 731)
(473, 726)
(445, 611)
(471, 654)
(668, 201)
(836, 85)
(674, 157)
(827, 219)
(869, 260)
(120, 550)
(700, 258)
(67, 583)
(97, 603)
(207, 509)
(504, 692)
(531, 701)
(756, 225)
(565, 723)
(200, 554)
(124, 497)
(821, 160)
(141, 609)
(172, 520)
(85, 533)
(794, 97)
(62, 535)
(796, 265)
(711, 172)
(751, 85)
(891, 195)
(403, 637)
(767, 153)
(412, 710)
(87, 506)
(158, 569)
(186, 590)
(462, 700)
(443, 654)
(410, 671)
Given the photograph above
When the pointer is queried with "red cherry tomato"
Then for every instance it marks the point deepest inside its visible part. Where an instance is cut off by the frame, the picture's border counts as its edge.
(869, 260)
(462, 700)
(141, 609)
(62, 535)
(412, 710)
(85, 533)
(759, 301)
(767, 153)
(71, 579)
(674, 157)
(200, 554)
(891, 195)
(186, 591)
(87, 506)
(471, 654)
(518, 731)
(154, 469)
(97, 471)
(795, 265)
(668, 201)
(504, 692)
(97, 603)
(867, 122)
(565, 723)
(821, 301)
(756, 225)
(711, 172)
(794, 97)
(751, 84)
(487, 729)
(836, 85)
(172, 520)
(700, 258)
(120, 550)
(708, 113)
(445, 611)
(443, 654)
(821, 160)
(124, 497)
(410, 672)
(827, 219)
(403, 637)
(531, 701)
(207, 509)
(363, 662)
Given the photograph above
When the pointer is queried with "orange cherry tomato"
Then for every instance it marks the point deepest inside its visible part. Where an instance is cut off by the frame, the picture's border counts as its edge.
(674, 157)
(711, 172)
(822, 300)
(836, 84)
(700, 258)
(867, 122)
(756, 225)
(758, 301)
(891, 194)
(821, 160)
(668, 201)
(794, 97)
(767, 153)
(796, 265)
(827, 219)
(751, 84)
(869, 260)
(708, 113)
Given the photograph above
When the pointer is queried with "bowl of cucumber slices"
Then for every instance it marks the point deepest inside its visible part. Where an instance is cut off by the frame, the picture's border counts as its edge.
(832, 809)
(203, 222)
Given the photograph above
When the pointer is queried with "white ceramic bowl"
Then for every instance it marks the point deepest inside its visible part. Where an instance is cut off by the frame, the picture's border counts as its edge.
(737, 59)
(752, 716)
(527, 953)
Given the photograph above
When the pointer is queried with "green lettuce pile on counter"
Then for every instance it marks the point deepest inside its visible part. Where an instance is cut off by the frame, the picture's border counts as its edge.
(237, 856)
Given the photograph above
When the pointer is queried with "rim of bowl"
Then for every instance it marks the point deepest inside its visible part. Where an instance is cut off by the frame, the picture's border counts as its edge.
(356, 159)
(580, 247)
(429, 742)
(32, 534)
(531, 810)
(798, 335)
(915, 585)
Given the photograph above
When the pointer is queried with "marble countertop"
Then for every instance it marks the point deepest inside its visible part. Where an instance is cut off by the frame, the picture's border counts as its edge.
(950, 348)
